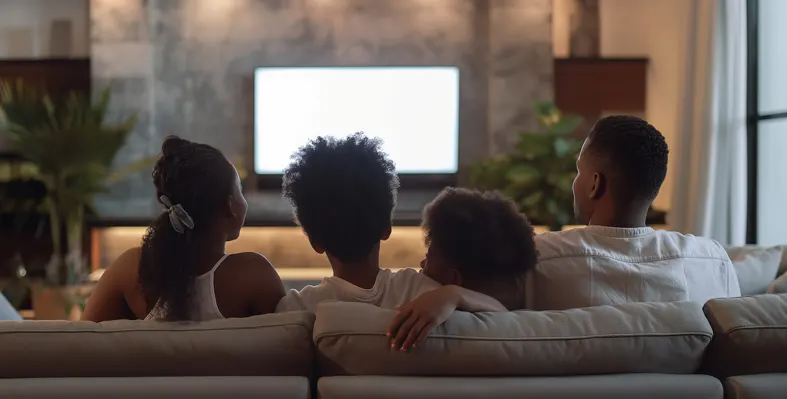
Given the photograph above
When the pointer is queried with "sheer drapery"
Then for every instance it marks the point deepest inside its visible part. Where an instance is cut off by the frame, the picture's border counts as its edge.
(709, 160)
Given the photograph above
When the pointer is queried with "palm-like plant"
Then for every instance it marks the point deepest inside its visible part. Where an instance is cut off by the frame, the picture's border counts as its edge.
(73, 147)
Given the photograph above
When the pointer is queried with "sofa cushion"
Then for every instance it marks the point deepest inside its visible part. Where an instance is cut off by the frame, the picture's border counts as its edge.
(645, 338)
(639, 386)
(277, 344)
(756, 267)
(750, 335)
(157, 388)
(760, 386)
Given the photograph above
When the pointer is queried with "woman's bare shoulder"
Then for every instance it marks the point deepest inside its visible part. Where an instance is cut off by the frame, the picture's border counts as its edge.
(250, 265)
(126, 264)
(252, 268)
(251, 276)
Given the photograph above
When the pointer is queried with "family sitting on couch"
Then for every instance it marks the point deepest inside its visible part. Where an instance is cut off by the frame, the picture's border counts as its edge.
(482, 254)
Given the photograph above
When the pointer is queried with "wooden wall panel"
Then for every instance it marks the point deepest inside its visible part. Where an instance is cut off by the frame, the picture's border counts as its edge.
(58, 76)
(591, 86)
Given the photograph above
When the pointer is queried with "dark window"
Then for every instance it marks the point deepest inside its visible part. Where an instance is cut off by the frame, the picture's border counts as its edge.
(767, 121)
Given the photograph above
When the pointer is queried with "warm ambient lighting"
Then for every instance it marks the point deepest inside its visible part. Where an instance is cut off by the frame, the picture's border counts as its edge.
(285, 273)
(211, 7)
(286, 247)
(655, 226)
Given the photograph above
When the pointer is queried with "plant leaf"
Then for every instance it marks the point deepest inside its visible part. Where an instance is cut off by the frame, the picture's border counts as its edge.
(532, 200)
(523, 174)
(544, 108)
(566, 125)
(132, 168)
(69, 140)
(567, 147)
(533, 145)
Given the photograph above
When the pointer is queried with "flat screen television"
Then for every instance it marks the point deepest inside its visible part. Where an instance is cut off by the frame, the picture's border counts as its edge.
(414, 110)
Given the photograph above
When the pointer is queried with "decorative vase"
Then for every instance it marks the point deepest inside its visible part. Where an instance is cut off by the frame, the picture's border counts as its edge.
(67, 265)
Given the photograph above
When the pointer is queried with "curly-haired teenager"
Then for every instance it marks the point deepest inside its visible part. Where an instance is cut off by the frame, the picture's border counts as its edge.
(475, 240)
(182, 272)
(617, 258)
(343, 193)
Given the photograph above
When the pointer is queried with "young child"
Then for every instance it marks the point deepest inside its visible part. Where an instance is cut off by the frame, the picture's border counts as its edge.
(343, 193)
(475, 240)
(181, 272)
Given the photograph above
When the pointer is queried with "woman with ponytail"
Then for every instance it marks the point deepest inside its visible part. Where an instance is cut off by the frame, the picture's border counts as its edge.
(182, 272)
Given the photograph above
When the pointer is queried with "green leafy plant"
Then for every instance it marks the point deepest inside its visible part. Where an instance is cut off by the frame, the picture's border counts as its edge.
(73, 147)
(539, 173)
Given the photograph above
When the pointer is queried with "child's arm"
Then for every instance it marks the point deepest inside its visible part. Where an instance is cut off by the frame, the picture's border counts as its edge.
(473, 301)
(418, 318)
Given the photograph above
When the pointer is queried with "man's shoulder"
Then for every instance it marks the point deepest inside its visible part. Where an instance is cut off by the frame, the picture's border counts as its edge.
(548, 237)
(555, 243)
(693, 246)
(581, 242)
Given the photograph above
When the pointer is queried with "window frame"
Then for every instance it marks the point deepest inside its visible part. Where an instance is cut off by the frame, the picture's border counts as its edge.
(753, 116)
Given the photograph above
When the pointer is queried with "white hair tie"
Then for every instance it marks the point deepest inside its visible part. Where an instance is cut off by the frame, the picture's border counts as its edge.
(178, 217)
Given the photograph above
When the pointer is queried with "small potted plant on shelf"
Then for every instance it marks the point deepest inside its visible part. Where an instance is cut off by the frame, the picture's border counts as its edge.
(73, 147)
(539, 173)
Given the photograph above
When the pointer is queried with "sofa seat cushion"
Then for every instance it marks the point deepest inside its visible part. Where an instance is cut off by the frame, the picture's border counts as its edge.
(760, 386)
(640, 386)
(630, 338)
(750, 335)
(156, 387)
(277, 344)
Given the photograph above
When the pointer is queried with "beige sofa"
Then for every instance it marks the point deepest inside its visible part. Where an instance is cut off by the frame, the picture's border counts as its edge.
(736, 347)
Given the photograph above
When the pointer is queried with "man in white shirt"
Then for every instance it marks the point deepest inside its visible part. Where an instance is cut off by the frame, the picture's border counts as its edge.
(343, 192)
(617, 258)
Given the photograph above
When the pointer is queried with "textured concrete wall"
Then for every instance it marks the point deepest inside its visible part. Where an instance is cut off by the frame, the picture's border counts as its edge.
(186, 66)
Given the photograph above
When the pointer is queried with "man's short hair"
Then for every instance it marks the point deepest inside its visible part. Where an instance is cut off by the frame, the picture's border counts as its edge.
(343, 192)
(482, 235)
(635, 152)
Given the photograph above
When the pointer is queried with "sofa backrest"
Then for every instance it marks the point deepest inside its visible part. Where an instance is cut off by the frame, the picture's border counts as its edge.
(632, 338)
(750, 336)
(275, 345)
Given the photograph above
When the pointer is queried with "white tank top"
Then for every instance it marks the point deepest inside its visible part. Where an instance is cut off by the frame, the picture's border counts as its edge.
(204, 297)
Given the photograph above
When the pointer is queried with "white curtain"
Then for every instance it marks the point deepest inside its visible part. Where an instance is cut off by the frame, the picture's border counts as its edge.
(708, 159)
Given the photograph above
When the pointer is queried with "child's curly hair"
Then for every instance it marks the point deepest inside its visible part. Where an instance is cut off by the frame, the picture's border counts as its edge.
(484, 237)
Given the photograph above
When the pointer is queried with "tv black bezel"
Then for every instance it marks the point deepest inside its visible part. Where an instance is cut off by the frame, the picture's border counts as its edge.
(273, 181)
(408, 181)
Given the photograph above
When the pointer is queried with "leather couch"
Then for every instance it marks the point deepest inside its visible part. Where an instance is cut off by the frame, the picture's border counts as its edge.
(733, 348)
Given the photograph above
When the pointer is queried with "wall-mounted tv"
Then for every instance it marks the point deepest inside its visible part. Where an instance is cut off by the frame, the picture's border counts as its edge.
(414, 110)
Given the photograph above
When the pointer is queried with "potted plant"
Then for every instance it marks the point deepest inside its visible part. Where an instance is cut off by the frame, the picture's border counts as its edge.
(539, 173)
(73, 147)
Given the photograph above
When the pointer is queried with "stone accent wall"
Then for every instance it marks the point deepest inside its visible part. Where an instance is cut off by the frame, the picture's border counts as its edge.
(186, 67)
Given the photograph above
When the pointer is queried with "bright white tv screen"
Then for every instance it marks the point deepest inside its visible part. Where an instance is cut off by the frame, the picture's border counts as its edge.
(414, 110)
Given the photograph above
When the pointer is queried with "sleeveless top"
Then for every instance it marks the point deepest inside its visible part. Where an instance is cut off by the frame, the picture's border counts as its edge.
(204, 297)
